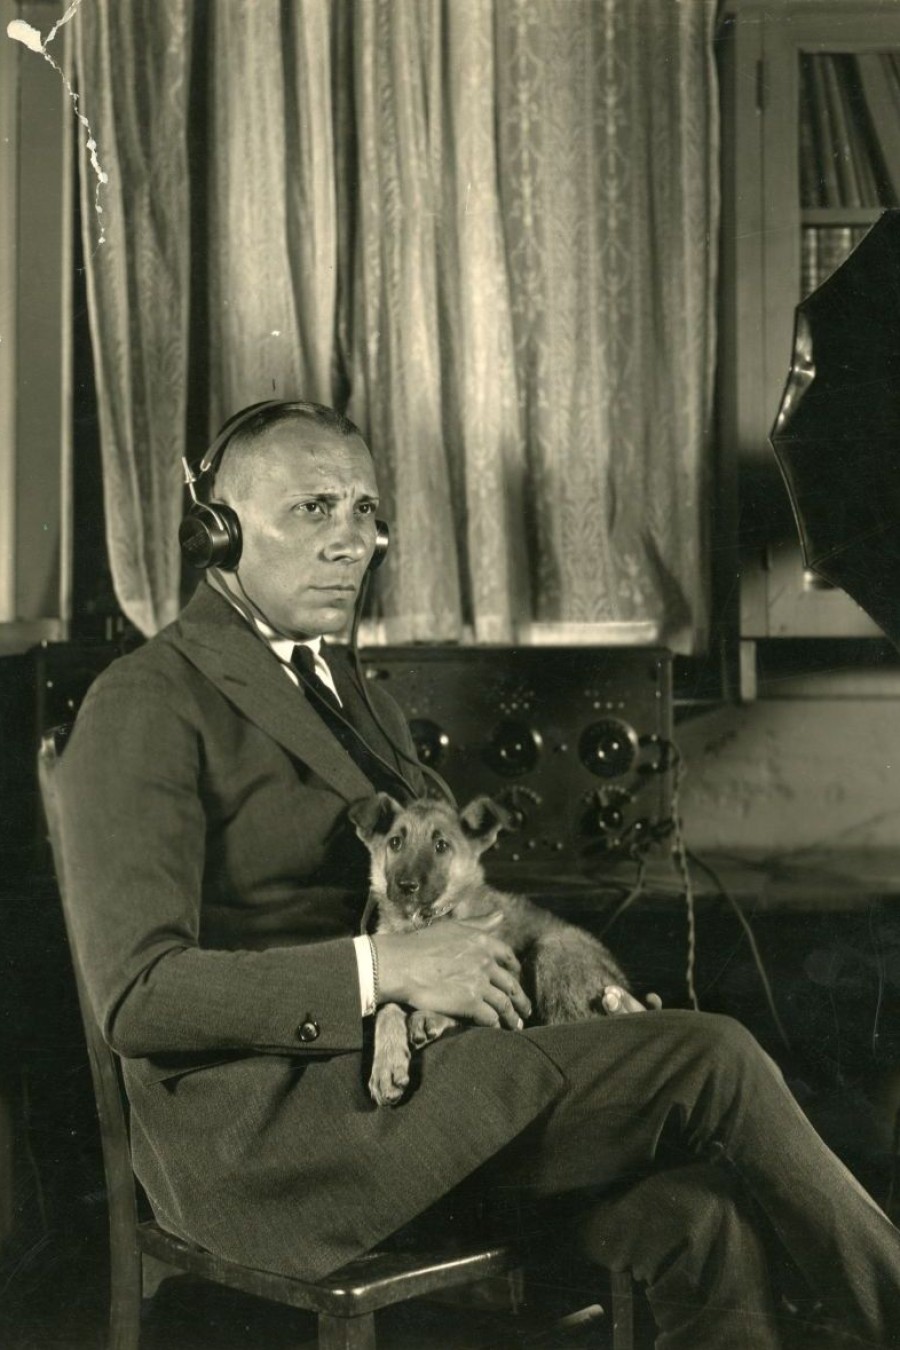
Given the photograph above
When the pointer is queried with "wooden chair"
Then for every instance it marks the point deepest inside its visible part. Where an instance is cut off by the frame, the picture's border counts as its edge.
(142, 1253)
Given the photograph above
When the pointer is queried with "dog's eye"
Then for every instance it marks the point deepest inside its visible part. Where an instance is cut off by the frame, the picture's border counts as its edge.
(395, 843)
(441, 845)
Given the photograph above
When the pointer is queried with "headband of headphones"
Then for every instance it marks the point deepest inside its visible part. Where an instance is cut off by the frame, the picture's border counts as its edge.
(210, 461)
(210, 533)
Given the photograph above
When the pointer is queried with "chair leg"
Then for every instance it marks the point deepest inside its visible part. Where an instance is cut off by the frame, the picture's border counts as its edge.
(622, 1299)
(124, 1297)
(347, 1333)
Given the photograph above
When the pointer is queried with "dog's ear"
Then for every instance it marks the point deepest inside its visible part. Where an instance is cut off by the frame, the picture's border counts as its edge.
(482, 821)
(374, 815)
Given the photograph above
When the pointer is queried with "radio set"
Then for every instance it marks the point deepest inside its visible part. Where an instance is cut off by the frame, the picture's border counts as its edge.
(575, 742)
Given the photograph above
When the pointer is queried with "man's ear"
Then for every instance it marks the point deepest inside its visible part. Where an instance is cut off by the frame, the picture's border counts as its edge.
(374, 815)
(482, 821)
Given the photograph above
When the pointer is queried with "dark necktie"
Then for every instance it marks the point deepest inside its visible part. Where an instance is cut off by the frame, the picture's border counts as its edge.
(304, 662)
(382, 775)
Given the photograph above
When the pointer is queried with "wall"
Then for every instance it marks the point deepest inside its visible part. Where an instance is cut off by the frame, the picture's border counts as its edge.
(812, 764)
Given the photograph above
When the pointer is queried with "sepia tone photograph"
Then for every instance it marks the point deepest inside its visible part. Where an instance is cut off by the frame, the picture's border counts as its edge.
(449, 674)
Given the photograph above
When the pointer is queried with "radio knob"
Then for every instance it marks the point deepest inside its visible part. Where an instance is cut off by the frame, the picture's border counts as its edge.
(608, 748)
(514, 749)
(430, 741)
(606, 813)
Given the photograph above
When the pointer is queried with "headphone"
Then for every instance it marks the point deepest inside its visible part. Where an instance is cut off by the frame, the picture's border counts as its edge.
(210, 536)
(210, 533)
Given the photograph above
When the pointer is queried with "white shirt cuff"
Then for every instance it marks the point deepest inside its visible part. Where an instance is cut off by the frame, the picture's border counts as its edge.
(366, 972)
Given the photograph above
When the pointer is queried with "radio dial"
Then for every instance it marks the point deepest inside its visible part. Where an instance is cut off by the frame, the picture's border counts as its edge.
(431, 742)
(514, 749)
(608, 748)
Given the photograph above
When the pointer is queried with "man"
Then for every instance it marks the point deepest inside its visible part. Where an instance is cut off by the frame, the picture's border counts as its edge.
(218, 890)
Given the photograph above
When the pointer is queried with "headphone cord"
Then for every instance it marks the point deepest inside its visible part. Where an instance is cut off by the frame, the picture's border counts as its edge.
(362, 684)
(251, 611)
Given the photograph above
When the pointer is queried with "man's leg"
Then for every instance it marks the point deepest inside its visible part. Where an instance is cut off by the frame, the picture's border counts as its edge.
(688, 1234)
(674, 1088)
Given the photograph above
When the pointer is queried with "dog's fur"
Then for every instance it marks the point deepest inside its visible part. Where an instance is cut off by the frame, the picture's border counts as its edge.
(425, 865)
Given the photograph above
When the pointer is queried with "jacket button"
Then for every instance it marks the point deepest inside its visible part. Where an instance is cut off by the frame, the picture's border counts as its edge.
(308, 1030)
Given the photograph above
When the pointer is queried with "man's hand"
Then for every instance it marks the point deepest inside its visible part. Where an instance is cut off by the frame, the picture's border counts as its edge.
(617, 1001)
(460, 969)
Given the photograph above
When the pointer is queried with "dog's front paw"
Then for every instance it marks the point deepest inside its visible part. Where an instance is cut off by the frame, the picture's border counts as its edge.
(389, 1080)
(425, 1027)
(617, 1001)
(390, 1063)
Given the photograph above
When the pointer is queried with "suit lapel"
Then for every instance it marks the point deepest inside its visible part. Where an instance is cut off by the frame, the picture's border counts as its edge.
(356, 710)
(222, 645)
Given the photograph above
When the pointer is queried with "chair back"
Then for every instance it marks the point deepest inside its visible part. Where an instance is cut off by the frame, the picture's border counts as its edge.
(105, 1073)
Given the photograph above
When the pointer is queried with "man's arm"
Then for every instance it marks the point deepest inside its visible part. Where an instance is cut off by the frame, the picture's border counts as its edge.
(134, 836)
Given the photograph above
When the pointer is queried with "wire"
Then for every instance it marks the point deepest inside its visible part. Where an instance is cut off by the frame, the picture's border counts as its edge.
(679, 853)
(876, 942)
(751, 938)
(635, 892)
(362, 683)
(251, 611)
(683, 857)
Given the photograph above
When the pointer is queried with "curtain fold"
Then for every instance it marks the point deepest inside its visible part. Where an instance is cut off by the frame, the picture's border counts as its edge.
(486, 227)
(133, 66)
(271, 205)
(608, 174)
(394, 364)
(482, 426)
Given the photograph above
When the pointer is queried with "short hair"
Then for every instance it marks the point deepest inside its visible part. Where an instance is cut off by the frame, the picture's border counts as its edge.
(251, 426)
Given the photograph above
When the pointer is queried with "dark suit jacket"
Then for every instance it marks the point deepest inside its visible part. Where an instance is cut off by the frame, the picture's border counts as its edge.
(216, 886)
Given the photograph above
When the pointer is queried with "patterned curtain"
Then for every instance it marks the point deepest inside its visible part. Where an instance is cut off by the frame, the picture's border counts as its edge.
(485, 227)
(271, 204)
(133, 65)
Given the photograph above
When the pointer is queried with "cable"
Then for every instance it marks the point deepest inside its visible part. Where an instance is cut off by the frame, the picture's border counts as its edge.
(751, 938)
(679, 853)
(876, 942)
(683, 856)
(635, 892)
(362, 684)
(251, 611)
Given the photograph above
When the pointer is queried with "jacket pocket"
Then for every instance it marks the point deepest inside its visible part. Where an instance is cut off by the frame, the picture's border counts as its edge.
(163, 1067)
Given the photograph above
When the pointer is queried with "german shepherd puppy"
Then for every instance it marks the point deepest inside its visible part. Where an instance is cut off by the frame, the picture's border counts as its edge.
(426, 865)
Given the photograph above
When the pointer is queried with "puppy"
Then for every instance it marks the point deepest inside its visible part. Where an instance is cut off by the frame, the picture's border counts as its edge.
(425, 865)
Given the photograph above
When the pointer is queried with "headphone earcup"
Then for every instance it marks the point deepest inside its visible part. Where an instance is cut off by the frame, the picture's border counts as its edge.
(382, 539)
(210, 536)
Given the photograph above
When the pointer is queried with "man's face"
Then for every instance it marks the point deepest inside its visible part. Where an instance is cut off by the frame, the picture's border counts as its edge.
(307, 505)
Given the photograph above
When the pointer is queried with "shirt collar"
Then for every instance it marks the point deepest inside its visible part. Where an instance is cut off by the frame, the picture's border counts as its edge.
(283, 647)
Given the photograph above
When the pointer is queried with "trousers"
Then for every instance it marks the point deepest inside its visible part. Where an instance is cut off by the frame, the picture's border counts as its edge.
(688, 1154)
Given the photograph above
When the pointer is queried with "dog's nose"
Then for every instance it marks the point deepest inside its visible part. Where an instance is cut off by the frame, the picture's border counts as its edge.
(408, 886)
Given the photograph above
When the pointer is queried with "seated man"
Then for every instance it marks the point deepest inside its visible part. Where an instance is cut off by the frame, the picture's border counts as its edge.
(218, 890)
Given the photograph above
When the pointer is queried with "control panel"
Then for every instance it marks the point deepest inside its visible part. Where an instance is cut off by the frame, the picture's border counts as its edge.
(575, 742)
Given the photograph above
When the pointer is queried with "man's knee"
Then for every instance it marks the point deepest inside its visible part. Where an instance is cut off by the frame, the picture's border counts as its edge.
(691, 1215)
(719, 1073)
(725, 1044)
